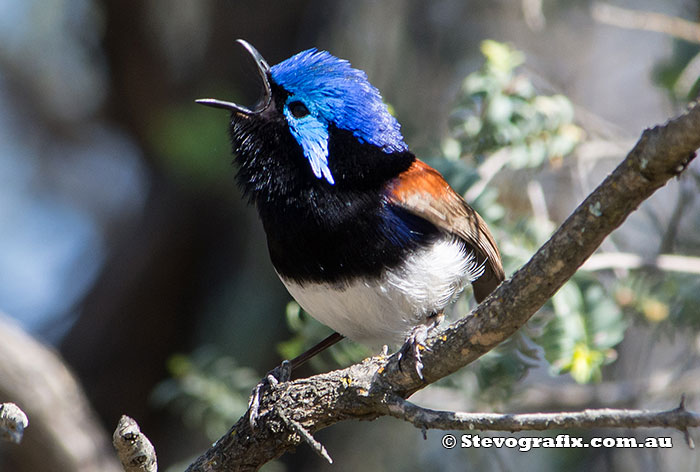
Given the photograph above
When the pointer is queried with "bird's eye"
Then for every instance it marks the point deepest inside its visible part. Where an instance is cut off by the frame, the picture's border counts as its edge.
(298, 109)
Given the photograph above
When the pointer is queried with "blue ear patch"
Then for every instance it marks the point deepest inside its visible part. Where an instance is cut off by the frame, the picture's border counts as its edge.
(312, 135)
(334, 92)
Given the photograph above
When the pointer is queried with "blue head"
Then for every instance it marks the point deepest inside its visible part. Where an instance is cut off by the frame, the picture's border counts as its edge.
(309, 97)
(323, 91)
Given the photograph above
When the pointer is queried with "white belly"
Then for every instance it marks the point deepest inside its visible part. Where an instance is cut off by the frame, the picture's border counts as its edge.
(384, 311)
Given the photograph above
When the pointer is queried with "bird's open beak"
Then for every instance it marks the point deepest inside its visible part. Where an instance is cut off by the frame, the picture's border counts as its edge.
(263, 70)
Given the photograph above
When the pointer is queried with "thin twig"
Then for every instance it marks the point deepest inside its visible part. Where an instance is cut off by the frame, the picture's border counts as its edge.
(646, 20)
(307, 437)
(538, 202)
(686, 434)
(420, 417)
(686, 195)
(625, 260)
(532, 12)
(487, 171)
(688, 77)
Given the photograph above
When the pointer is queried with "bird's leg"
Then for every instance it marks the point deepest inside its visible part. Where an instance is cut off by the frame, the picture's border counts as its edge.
(321, 346)
(283, 373)
(416, 341)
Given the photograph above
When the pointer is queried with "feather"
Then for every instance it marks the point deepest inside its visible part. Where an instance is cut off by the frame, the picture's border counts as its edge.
(422, 191)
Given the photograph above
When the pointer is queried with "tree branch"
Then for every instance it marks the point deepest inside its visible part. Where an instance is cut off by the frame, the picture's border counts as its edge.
(624, 260)
(135, 451)
(65, 433)
(646, 20)
(366, 390)
(424, 418)
(13, 422)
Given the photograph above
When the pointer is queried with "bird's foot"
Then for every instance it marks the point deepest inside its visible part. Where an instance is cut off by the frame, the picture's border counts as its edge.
(415, 343)
(413, 346)
(281, 373)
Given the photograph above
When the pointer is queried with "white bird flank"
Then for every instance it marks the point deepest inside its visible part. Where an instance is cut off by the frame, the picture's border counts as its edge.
(385, 311)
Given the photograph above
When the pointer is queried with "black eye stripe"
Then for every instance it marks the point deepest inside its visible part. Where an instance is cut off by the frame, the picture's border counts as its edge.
(298, 109)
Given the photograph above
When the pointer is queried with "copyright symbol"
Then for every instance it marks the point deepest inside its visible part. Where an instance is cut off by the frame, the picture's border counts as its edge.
(449, 441)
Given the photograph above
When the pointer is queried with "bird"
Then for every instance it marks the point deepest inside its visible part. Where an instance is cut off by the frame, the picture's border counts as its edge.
(367, 238)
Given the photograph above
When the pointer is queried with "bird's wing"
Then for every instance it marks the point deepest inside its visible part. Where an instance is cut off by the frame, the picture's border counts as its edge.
(422, 191)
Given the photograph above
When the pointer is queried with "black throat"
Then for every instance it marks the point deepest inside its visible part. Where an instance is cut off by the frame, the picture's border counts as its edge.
(320, 232)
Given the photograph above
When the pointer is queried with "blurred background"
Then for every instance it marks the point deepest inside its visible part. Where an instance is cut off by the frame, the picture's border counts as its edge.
(126, 248)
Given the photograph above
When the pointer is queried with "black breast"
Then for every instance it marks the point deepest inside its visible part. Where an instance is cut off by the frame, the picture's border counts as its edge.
(317, 231)
(345, 235)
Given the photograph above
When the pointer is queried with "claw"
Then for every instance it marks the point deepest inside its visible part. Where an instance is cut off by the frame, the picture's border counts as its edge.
(254, 405)
(281, 373)
(414, 344)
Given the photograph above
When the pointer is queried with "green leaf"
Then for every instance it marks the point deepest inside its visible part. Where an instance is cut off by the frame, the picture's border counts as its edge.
(585, 328)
